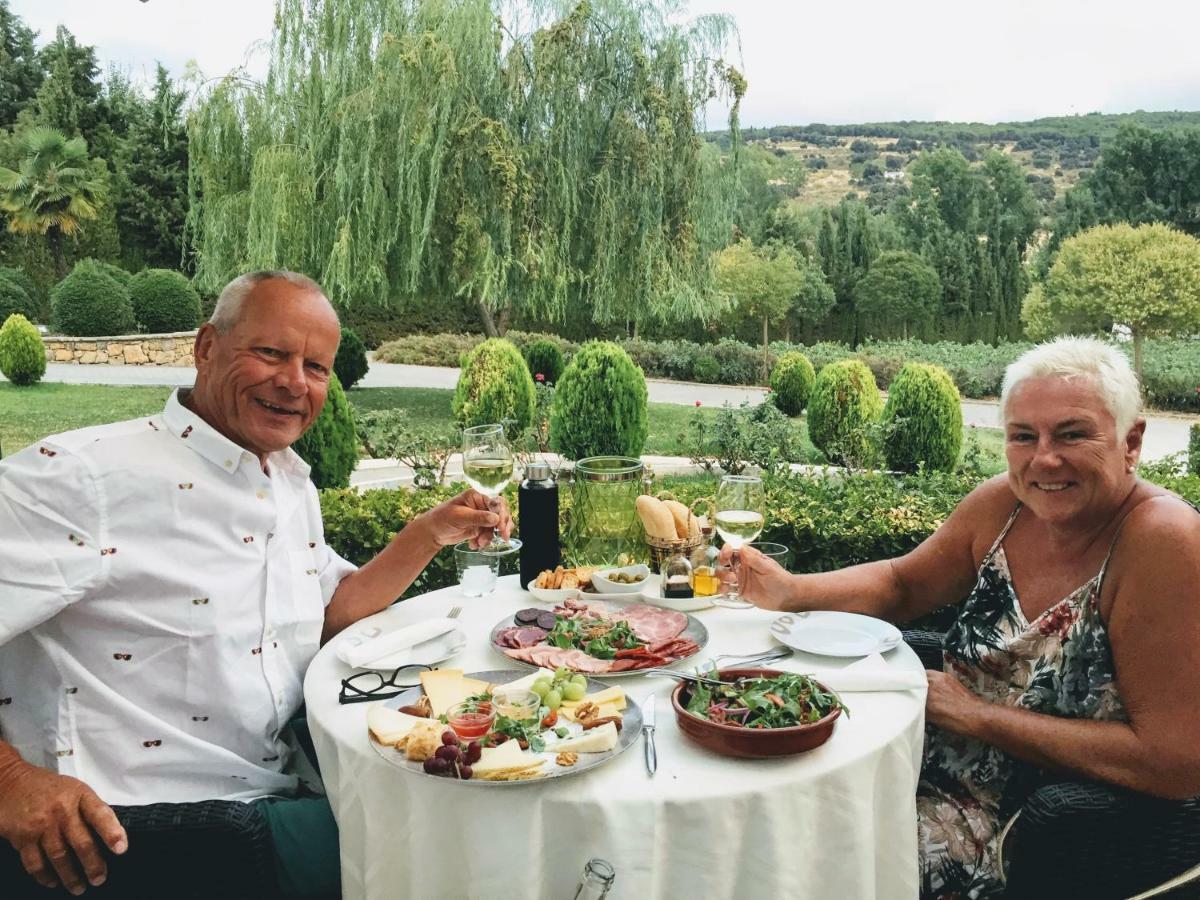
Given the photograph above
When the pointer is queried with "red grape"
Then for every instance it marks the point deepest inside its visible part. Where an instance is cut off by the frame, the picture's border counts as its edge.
(464, 772)
(449, 754)
(449, 738)
(474, 751)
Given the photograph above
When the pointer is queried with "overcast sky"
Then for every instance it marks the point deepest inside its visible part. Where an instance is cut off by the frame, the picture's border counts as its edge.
(872, 60)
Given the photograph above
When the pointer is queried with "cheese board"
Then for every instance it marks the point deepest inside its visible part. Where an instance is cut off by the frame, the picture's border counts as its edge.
(462, 727)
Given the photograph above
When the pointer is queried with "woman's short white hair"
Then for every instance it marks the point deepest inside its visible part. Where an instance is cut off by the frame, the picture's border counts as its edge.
(1081, 357)
(229, 304)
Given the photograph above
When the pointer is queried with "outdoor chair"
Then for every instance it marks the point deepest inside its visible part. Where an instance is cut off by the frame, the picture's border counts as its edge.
(217, 848)
(1086, 839)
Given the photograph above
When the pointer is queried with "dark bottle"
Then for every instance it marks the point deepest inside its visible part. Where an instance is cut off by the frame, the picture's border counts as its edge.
(537, 510)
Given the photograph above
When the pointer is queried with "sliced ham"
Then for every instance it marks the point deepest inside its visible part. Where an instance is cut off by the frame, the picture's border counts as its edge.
(521, 636)
(553, 657)
(653, 624)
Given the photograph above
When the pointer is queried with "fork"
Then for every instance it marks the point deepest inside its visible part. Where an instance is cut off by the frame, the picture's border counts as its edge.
(684, 676)
(454, 611)
(765, 656)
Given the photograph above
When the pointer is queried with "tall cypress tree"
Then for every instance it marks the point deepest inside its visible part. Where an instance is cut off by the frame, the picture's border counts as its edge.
(20, 71)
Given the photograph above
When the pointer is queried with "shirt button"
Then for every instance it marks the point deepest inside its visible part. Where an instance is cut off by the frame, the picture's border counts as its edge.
(229, 463)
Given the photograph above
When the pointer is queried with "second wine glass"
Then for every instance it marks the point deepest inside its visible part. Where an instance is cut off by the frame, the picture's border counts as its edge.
(488, 467)
(741, 514)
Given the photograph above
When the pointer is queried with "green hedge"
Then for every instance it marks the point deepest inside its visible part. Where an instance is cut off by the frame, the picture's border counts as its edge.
(16, 295)
(1194, 450)
(351, 363)
(330, 446)
(792, 382)
(22, 353)
(599, 405)
(89, 302)
(163, 301)
(922, 420)
(494, 387)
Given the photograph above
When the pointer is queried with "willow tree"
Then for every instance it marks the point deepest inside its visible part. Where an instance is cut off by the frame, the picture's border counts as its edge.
(525, 157)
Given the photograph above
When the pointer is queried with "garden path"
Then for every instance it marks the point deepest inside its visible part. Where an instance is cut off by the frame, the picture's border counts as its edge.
(1165, 433)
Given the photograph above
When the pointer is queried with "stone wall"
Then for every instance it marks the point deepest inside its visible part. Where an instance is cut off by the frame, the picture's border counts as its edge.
(173, 349)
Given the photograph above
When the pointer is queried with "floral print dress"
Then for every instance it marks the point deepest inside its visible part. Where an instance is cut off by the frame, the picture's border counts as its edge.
(1059, 664)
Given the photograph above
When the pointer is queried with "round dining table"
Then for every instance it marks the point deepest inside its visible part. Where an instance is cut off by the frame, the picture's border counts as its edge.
(835, 822)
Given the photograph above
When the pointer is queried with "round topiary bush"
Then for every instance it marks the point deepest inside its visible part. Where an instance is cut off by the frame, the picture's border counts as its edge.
(599, 405)
(706, 369)
(350, 364)
(922, 420)
(495, 387)
(22, 353)
(544, 358)
(844, 406)
(15, 299)
(792, 382)
(116, 273)
(163, 301)
(89, 302)
(330, 446)
(1193, 465)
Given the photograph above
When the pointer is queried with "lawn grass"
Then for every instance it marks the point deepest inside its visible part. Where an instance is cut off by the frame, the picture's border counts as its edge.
(29, 414)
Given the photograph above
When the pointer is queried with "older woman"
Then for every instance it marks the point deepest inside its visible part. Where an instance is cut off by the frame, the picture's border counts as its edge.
(1077, 648)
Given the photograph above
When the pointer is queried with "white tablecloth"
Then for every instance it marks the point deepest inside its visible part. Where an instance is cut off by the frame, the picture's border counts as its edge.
(837, 822)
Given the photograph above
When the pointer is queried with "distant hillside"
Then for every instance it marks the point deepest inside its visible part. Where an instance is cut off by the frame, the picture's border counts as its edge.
(868, 160)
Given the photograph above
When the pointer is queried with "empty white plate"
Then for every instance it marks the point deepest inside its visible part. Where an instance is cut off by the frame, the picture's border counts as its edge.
(835, 633)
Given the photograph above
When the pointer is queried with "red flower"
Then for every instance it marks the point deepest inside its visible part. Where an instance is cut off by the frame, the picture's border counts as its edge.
(540, 377)
(698, 402)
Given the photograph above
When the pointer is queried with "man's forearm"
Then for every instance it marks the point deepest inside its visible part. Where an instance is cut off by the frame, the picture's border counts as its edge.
(377, 584)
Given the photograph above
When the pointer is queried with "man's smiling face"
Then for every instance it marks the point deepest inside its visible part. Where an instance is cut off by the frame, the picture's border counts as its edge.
(263, 383)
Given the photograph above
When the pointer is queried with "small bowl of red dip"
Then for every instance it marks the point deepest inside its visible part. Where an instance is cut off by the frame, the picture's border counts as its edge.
(471, 719)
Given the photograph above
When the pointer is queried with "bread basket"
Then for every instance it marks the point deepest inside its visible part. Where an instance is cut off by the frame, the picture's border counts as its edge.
(661, 549)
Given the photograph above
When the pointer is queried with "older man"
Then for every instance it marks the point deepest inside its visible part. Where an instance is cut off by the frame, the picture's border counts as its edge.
(165, 581)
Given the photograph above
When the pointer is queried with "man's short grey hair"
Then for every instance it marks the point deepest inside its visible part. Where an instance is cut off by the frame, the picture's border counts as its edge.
(229, 305)
(1080, 357)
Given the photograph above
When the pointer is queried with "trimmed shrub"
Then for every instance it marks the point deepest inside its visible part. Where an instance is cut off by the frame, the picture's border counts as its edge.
(922, 420)
(350, 364)
(330, 445)
(15, 298)
(599, 405)
(844, 409)
(706, 369)
(163, 301)
(22, 353)
(792, 382)
(1194, 450)
(121, 276)
(494, 386)
(544, 358)
(89, 302)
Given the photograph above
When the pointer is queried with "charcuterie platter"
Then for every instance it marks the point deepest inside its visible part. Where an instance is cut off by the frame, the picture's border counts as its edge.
(599, 638)
(478, 728)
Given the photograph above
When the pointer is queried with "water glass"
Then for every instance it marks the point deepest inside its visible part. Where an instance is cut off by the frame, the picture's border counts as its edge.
(477, 570)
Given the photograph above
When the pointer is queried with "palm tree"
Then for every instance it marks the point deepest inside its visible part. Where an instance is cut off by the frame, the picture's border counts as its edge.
(53, 192)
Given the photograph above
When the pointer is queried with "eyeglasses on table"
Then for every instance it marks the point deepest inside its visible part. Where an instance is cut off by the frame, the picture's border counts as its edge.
(364, 687)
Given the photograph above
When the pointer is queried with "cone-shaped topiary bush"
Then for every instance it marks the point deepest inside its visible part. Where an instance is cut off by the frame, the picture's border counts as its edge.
(792, 382)
(163, 301)
(545, 359)
(599, 405)
(351, 361)
(22, 353)
(922, 420)
(842, 412)
(90, 302)
(494, 387)
(14, 297)
(330, 445)
(1194, 449)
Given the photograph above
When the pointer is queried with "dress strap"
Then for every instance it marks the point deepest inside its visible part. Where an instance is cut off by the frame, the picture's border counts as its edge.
(1113, 545)
(1000, 537)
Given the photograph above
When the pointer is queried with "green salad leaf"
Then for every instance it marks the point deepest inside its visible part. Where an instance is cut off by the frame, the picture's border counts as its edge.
(778, 702)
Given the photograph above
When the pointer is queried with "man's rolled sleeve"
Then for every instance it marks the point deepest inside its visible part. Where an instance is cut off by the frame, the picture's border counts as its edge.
(50, 535)
(333, 568)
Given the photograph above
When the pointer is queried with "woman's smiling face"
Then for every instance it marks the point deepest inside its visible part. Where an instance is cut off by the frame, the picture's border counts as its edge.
(1066, 459)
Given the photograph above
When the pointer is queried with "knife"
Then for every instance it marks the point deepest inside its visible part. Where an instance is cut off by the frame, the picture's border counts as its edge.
(648, 732)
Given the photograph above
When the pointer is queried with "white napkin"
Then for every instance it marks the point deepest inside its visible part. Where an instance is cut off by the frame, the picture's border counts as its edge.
(358, 655)
(871, 673)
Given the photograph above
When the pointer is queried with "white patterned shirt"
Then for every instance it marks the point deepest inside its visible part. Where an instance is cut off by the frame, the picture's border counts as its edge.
(160, 600)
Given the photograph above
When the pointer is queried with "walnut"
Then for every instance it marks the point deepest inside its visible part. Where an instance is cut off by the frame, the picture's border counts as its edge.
(567, 758)
(586, 711)
(598, 631)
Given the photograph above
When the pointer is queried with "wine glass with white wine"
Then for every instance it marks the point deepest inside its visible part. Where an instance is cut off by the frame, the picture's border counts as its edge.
(488, 467)
(741, 513)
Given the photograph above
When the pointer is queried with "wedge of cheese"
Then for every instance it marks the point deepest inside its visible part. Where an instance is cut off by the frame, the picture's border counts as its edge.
(388, 726)
(606, 710)
(446, 687)
(597, 740)
(508, 762)
(613, 696)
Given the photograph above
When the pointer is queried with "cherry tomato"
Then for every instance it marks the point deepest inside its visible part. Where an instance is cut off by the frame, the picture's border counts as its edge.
(551, 718)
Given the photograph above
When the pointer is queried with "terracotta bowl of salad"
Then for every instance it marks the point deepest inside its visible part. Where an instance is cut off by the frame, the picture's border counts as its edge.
(763, 713)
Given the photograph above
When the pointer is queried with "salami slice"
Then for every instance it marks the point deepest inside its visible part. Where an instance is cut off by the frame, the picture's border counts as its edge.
(653, 624)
